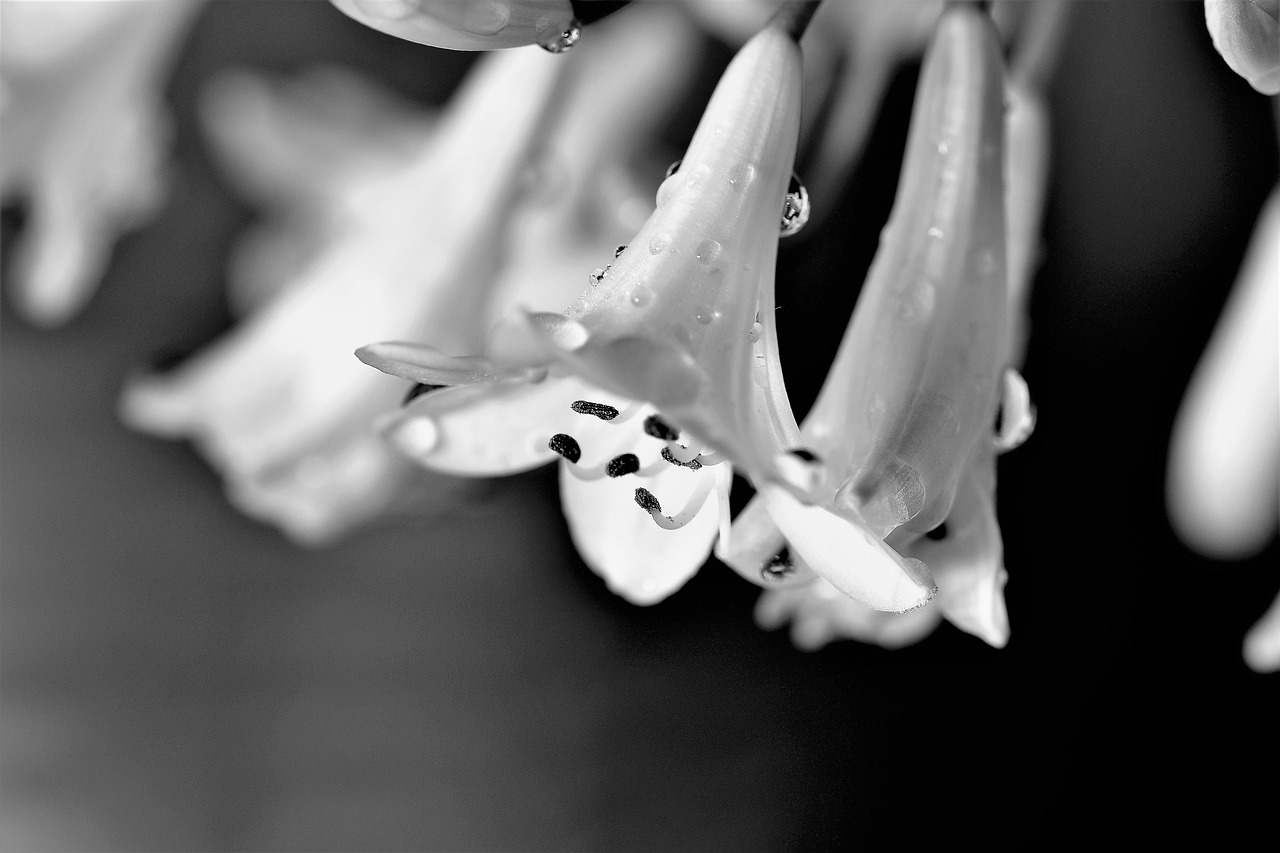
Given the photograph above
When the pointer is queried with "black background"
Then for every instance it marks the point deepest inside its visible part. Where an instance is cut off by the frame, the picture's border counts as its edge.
(176, 677)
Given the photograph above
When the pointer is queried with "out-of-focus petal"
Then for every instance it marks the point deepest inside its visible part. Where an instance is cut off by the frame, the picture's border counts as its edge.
(1262, 643)
(1224, 463)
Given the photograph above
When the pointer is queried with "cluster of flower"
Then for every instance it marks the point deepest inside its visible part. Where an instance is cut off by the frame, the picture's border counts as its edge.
(445, 249)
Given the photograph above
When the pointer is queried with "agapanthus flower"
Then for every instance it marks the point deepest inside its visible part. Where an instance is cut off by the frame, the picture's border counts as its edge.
(84, 137)
(1247, 34)
(470, 24)
(900, 441)
(278, 405)
(663, 369)
(1224, 464)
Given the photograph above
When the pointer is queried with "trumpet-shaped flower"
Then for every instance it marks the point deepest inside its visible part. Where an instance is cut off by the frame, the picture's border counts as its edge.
(1223, 485)
(660, 370)
(1247, 34)
(279, 405)
(899, 444)
(470, 24)
(83, 134)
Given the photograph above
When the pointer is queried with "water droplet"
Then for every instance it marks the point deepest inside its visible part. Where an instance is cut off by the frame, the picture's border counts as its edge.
(935, 232)
(640, 296)
(617, 253)
(564, 41)
(708, 251)
(673, 168)
(486, 18)
(705, 314)
(667, 189)
(659, 243)
(388, 10)
(796, 208)
(741, 175)
(757, 329)
(943, 147)
(597, 275)
(698, 174)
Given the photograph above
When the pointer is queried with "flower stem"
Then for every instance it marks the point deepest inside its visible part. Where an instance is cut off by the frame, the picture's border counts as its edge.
(793, 16)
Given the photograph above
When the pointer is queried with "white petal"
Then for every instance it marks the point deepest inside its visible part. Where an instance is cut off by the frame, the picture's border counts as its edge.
(853, 560)
(619, 541)
(756, 540)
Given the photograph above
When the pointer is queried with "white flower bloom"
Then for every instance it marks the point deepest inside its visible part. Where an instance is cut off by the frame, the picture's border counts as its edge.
(670, 327)
(899, 440)
(84, 135)
(279, 405)
(1224, 463)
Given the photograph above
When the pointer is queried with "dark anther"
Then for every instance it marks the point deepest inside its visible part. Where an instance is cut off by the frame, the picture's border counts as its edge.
(673, 168)
(647, 501)
(620, 466)
(656, 427)
(692, 464)
(938, 533)
(805, 454)
(418, 389)
(778, 567)
(566, 446)
(600, 410)
(617, 253)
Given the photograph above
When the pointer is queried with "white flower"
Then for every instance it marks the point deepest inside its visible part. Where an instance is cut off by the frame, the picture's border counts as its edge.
(470, 24)
(670, 327)
(899, 442)
(1224, 462)
(279, 405)
(83, 134)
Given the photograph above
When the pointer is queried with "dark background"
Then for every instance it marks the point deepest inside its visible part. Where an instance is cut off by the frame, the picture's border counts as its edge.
(176, 677)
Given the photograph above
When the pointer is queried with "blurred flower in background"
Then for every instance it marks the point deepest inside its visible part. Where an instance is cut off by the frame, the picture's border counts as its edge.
(84, 136)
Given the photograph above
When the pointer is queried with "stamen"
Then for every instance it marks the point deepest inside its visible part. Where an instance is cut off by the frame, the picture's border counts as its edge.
(779, 566)
(692, 464)
(600, 410)
(647, 501)
(656, 427)
(566, 446)
(682, 453)
(697, 498)
(938, 533)
(620, 466)
(418, 389)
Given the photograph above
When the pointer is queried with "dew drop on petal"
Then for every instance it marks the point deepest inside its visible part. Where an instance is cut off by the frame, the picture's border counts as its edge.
(698, 175)
(708, 251)
(741, 175)
(757, 329)
(617, 253)
(673, 168)
(795, 209)
(943, 147)
(935, 232)
(563, 41)
(659, 243)
(598, 274)
(640, 296)
(705, 314)
(486, 18)
(667, 189)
